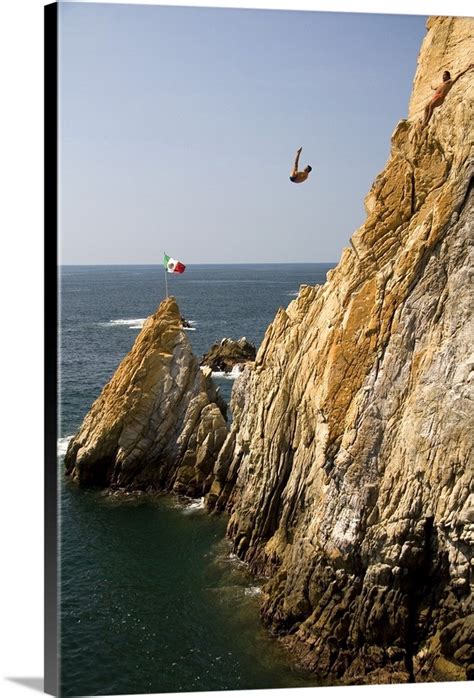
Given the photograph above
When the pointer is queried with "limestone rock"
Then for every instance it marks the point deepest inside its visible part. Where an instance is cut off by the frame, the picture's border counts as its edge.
(348, 469)
(227, 353)
(158, 422)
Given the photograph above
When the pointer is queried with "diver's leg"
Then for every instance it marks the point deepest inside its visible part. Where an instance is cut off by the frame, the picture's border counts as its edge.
(297, 159)
(428, 113)
(431, 106)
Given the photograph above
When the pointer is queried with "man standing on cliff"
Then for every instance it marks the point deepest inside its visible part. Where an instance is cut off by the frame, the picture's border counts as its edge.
(296, 176)
(440, 93)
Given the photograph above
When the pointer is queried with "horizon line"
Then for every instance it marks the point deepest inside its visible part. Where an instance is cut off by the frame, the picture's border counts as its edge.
(188, 264)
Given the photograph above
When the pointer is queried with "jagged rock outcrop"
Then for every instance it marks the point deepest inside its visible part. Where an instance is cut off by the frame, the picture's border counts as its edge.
(159, 423)
(348, 469)
(227, 353)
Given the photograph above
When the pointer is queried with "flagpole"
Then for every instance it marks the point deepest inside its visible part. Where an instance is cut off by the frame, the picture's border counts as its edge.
(166, 274)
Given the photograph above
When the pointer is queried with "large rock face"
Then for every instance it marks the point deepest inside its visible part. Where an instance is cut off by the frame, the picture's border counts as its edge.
(158, 423)
(347, 471)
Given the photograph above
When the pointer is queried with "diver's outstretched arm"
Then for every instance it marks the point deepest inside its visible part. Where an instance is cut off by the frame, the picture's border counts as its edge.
(463, 72)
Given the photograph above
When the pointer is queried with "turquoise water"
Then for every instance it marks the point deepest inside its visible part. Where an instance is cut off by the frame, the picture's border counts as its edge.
(151, 599)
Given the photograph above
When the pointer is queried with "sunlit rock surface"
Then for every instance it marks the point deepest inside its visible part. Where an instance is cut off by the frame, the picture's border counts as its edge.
(348, 469)
(159, 422)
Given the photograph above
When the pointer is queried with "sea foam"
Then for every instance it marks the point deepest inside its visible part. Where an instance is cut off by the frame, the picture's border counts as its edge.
(133, 323)
(194, 505)
(231, 375)
(252, 591)
(137, 323)
(62, 445)
(192, 328)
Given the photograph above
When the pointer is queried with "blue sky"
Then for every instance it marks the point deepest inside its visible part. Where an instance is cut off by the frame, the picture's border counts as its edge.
(178, 128)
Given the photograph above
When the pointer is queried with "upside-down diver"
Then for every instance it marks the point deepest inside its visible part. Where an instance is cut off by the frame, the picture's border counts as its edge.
(296, 176)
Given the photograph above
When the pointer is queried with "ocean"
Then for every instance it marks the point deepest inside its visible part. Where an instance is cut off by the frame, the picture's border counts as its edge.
(151, 598)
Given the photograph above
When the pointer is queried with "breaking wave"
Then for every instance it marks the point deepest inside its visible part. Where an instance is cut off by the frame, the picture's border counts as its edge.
(133, 323)
(194, 505)
(137, 323)
(62, 445)
(230, 375)
(192, 328)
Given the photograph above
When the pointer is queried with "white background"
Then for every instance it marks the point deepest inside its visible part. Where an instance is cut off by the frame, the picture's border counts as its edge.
(21, 320)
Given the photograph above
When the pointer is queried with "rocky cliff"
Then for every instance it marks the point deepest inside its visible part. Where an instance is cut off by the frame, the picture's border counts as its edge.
(347, 471)
(159, 423)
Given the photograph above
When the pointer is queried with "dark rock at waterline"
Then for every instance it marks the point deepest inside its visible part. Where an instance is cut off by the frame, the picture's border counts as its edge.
(227, 353)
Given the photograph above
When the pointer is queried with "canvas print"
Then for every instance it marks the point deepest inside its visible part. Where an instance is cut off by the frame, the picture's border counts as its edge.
(264, 348)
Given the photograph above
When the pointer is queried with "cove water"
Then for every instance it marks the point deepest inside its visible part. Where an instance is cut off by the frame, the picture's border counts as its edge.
(151, 599)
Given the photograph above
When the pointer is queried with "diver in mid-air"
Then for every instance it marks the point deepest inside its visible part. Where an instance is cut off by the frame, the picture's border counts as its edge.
(296, 176)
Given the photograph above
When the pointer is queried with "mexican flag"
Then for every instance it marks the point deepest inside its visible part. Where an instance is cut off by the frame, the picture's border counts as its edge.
(172, 265)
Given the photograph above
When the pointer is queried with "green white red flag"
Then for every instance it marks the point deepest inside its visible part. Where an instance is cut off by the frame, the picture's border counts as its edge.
(172, 266)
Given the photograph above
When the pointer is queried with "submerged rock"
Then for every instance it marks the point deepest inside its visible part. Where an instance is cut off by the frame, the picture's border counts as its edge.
(347, 470)
(158, 423)
(227, 353)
